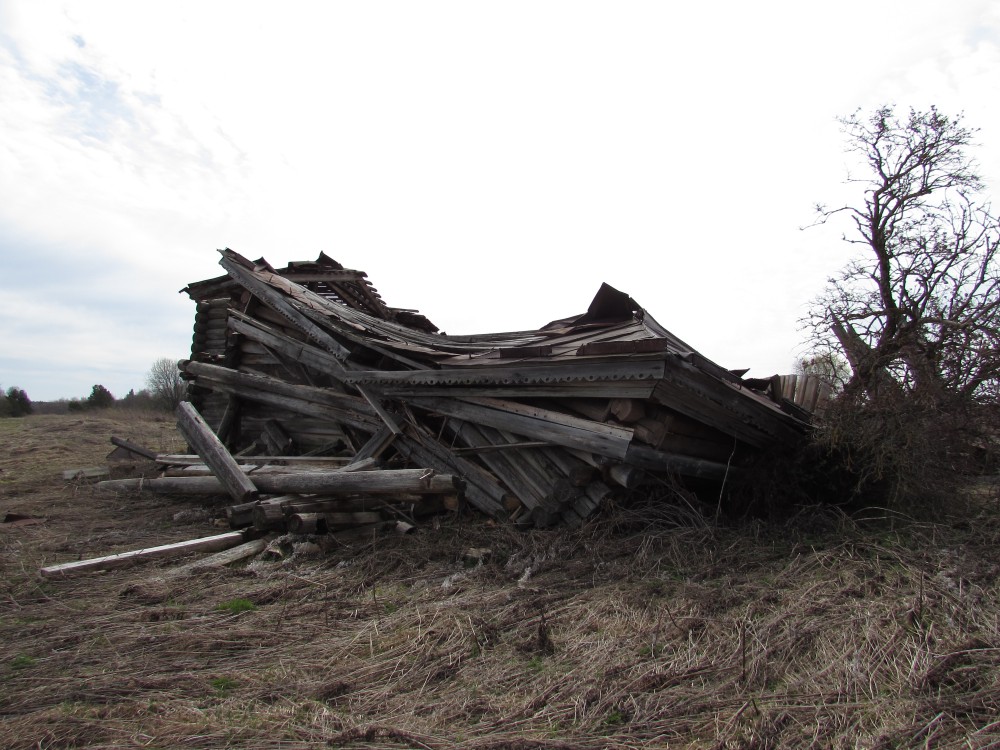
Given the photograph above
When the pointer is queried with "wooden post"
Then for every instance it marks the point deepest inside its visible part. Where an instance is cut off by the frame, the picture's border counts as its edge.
(197, 432)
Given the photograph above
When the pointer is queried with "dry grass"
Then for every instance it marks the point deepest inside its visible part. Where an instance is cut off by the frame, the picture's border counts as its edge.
(823, 632)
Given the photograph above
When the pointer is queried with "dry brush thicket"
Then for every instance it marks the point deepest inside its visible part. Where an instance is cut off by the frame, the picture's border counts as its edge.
(648, 628)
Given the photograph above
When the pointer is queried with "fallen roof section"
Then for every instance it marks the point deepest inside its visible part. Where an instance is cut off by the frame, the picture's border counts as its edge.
(541, 426)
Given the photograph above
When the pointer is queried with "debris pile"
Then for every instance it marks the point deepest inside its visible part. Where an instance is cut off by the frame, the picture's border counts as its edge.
(306, 385)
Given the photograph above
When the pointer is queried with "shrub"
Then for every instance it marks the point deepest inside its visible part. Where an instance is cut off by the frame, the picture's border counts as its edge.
(100, 398)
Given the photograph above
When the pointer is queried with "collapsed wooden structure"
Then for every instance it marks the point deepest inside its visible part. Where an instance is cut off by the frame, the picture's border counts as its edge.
(536, 426)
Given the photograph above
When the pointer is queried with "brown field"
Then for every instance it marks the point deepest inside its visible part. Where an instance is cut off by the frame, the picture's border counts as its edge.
(633, 632)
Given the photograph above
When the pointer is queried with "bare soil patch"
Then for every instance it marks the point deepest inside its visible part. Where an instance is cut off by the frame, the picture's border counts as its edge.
(632, 632)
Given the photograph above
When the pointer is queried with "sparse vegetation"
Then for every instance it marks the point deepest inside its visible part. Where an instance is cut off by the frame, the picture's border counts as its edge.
(165, 385)
(15, 403)
(916, 314)
(644, 629)
(22, 661)
(236, 606)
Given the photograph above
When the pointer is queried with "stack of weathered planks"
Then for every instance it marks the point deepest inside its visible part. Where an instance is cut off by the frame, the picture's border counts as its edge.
(537, 426)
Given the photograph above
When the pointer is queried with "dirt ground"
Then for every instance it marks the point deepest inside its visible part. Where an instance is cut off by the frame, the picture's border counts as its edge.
(632, 632)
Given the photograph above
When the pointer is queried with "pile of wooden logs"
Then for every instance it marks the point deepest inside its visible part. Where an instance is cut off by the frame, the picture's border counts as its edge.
(537, 426)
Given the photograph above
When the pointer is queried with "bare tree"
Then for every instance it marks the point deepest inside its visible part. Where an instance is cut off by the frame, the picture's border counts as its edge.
(917, 312)
(165, 384)
(828, 365)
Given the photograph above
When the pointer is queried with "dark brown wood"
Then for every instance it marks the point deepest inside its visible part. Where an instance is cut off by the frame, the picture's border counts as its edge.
(268, 516)
(304, 523)
(198, 434)
(133, 448)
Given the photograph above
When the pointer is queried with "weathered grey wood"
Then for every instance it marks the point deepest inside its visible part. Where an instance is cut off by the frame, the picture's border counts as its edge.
(648, 458)
(229, 420)
(287, 346)
(374, 448)
(385, 482)
(627, 410)
(581, 389)
(418, 504)
(504, 447)
(539, 424)
(276, 439)
(197, 432)
(338, 520)
(482, 489)
(133, 448)
(240, 516)
(505, 467)
(268, 516)
(347, 416)
(323, 396)
(376, 405)
(190, 459)
(226, 557)
(90, 474)
(177, 549)
(626, 476)
(305, 523)
(517, 374)
(278, 302)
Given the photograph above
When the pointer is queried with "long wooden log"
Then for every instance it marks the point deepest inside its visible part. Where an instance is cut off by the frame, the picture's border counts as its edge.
(327, 504)
(349, 417)
(321, 523)
(324, 396)
(385, 482)
(647, 458)
(536, 423)
(288, 347)
(197, 432)
(317, 462)
(268, 516)
(133, 448)
(205, 544)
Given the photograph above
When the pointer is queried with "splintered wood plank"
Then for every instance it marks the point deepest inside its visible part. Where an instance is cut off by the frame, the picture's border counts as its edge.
(204, 544)
(483, 490)
(509, 469)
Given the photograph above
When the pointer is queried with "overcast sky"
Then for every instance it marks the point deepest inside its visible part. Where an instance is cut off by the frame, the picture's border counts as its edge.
(489, 164)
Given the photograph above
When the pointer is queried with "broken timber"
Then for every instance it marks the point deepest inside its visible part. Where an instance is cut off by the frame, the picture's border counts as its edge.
(540, 426)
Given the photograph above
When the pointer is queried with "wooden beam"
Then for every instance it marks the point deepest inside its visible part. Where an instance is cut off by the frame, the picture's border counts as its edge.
(418, 481)
(177, 549)
(536, 423)
(197, 432)
(133, 448)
